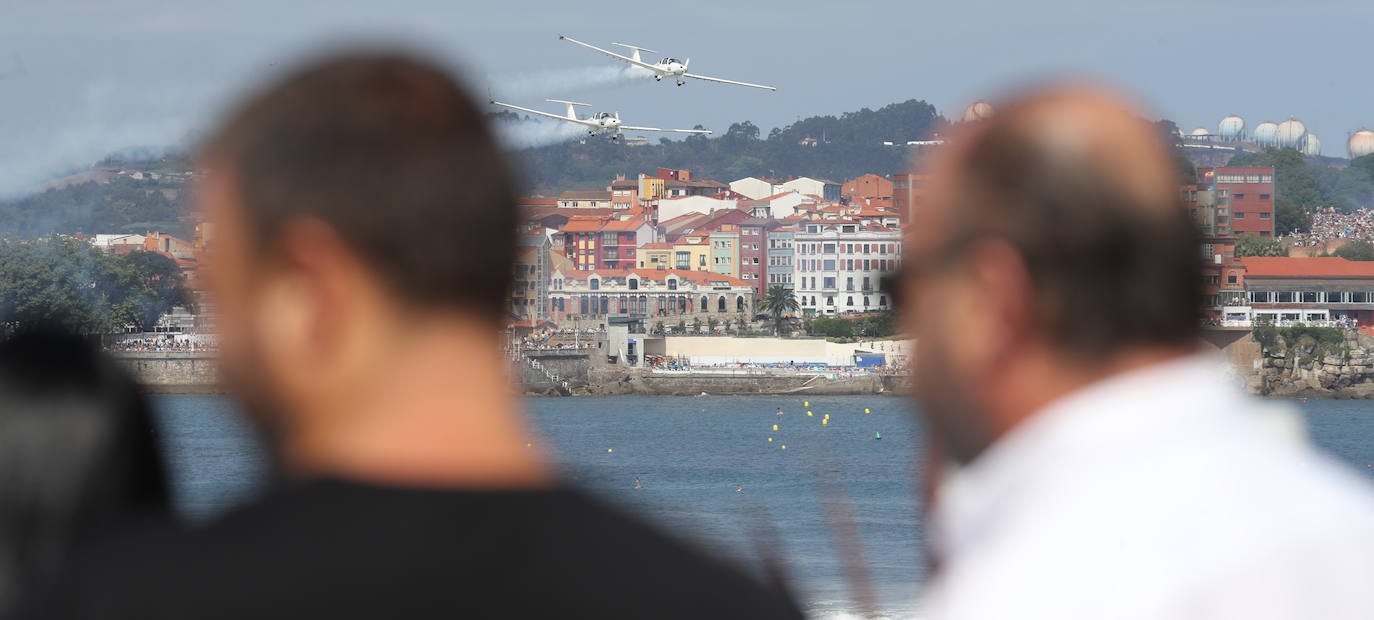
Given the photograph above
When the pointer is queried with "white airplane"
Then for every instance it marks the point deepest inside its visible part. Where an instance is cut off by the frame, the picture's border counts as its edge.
(668, 67)
(602, 122)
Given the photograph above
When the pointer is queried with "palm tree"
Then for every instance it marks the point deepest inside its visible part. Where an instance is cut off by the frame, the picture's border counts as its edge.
(777, 302)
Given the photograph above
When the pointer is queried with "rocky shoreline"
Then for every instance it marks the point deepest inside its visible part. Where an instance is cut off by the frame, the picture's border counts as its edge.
(1305, 363)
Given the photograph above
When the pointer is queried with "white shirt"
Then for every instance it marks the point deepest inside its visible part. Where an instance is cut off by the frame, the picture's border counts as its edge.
(1160, 493)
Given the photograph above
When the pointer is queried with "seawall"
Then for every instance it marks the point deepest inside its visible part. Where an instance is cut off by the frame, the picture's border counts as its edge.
(172, 372)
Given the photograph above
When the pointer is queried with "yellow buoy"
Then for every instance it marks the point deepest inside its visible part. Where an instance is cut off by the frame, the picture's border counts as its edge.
(825, 422)
(806, 403)
(770, 440)
(608, 449)
(808, 414)
(775, 427)
(866, 410)
(784, 446)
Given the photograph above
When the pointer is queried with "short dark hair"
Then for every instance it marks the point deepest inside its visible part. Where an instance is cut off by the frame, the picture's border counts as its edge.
(394, 155)
(1112, 266)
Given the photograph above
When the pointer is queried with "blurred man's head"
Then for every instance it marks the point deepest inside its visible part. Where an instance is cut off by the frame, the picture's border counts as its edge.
(354, 200)
(1051, 250)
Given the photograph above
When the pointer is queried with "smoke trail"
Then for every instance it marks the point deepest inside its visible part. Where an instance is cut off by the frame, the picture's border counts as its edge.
(561, 83)
(533, 133)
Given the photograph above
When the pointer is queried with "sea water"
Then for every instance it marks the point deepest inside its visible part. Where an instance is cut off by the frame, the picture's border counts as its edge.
(836, 507)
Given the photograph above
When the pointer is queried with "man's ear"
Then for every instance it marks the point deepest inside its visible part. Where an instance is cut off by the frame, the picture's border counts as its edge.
(315, 268)
(997, 269)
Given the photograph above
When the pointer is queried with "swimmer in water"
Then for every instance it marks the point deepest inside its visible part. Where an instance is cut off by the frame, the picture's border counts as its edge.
(779, 412)
(638, 484)
(739, 488)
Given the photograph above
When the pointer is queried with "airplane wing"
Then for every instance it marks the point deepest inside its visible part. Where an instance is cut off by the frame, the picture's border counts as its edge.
(633, 128)
(536, 112)
(725, 81)
(640, 64)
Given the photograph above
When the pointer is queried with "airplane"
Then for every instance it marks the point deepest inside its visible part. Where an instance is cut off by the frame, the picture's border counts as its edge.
(601, 122)
(668, 67)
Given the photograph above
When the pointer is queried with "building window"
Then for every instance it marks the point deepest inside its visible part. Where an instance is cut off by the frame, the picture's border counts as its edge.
(1359, 297)
(1285, 297)
(720, 304)
(849, 301)
(594, 283)
(702, 262)
(828, 264)
(1264, 215)
(1264, 196)
(1309, 297)
(1240, 215)
(634, 284)
(829, 283)
(739, 304)
(672, 284)
(1231, 279)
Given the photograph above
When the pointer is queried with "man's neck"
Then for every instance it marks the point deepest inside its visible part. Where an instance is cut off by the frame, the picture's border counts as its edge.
(1039, 380)
(433, 410)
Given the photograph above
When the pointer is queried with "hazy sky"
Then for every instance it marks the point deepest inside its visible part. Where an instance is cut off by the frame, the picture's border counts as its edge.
(80, 79)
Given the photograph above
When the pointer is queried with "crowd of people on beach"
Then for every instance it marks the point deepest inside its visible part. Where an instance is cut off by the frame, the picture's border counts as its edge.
(164, 345)
(1330, 225)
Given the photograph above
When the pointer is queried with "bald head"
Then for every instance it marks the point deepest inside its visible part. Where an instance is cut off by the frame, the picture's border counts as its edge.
(1081, 188)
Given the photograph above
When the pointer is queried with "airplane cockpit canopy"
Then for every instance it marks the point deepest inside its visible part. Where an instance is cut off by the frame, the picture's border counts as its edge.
(603, 115)
(669, 61)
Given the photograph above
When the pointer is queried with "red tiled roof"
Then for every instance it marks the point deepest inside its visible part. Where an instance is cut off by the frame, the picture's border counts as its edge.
(623, 225)
(583, 224)
(778, 195)
(661, 245)
(535, 213)
(585, 194)
(1320, 267)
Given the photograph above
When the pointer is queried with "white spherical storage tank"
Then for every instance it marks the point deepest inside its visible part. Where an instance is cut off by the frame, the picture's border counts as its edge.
(1361, 143)
(1231, 128)
(1289, 134)
(1311, 146)
(1264, 133)
(977, 110)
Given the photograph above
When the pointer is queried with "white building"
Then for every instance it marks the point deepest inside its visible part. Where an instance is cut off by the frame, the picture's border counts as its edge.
(840, 264)
(756, 188)
(828, 190)
(781, 205)
(109, 242)
(669, 208)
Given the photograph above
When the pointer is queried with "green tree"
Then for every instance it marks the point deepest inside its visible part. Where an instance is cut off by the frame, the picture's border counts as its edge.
(63, 280)
(1187, 172)
(1289, 218)
(832, 327)
(777, 302)
(1355, 250)
(1255, 245)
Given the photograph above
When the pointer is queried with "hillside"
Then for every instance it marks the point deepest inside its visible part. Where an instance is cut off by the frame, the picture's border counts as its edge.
(845, 146)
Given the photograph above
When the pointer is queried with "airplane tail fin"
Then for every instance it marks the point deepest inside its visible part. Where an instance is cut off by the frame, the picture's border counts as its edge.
(635, 49)
(571, 113)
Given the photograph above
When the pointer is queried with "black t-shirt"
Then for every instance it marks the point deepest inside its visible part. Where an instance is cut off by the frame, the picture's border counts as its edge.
(332, 549)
